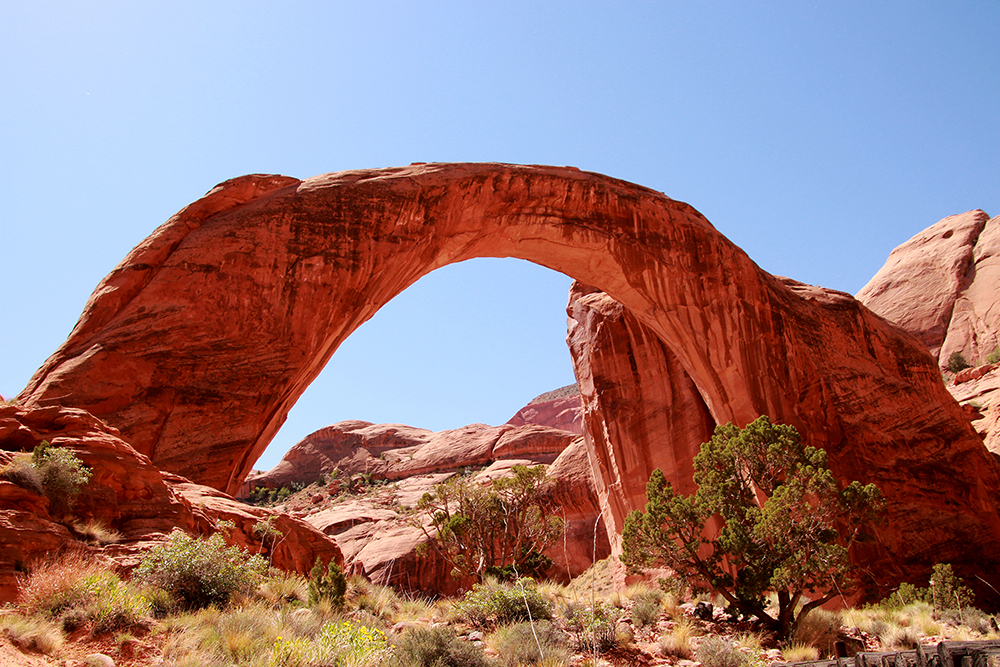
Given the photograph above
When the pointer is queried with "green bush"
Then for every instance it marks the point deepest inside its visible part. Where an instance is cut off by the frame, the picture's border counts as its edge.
(200, 572)
(944, 591)
(993, 357)
(437, 647)
(330, 586)
(530, 643)
(502, 604)
(957, 362)
(55, 471)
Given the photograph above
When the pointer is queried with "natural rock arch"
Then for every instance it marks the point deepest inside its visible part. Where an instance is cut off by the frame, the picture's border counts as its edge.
(199, 342)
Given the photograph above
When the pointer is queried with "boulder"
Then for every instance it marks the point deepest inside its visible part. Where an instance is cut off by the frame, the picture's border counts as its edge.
(560, 408)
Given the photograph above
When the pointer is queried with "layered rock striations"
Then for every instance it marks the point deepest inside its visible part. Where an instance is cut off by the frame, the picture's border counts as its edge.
(199, 342)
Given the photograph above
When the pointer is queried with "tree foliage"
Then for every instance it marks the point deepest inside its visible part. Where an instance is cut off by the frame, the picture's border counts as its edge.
(785, 525)
(500, 528)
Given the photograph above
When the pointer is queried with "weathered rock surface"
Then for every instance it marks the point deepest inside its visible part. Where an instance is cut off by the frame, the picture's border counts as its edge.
(374, 525)
(942, 286)
(643, 411)
(395, 451)
(128, 494)
(199, 342)
(559, 409)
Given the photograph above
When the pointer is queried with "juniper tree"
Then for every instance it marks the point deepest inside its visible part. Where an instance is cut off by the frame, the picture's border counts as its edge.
(786, 525)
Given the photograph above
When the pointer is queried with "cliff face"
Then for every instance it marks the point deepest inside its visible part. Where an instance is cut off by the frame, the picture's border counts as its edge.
(199, 342)
(942, 286)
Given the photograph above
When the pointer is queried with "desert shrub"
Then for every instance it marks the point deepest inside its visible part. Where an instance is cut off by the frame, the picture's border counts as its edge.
(945, 590)
(718, 651)
(52, 586)
(500, 529)
(529, 643)
(994, 356)
(200, 572)
(501, 603)
(116, 606)
(338, 643)
(644, 613)
(596, 627)
(957, 362)
(436, 647)
(330, 585)
(32, 633)
(63, 475)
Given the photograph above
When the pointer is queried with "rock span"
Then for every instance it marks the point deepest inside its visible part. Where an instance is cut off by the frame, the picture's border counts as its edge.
(199, 342)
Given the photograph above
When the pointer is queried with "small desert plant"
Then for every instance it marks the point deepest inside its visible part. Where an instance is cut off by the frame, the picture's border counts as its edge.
(800, 653)
(899, 638)
(63, 475)
(529, 643)
(596, 627)
(644, 613)
(200, 572)
(677, 643)
(718, 651)
(492, 602)
(116, 606)
(55, 585)
(957, 362)
(32, 633)
(436, 647)
(944, 591)
(330, 585)
(284, 588)
(994, 356)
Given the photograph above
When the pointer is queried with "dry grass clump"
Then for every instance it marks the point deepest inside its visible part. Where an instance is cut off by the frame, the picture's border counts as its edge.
(677, 643)
(95, 532)
(821, 629)
(32, 633)
(530, 644)
(56, 584)
(800, 653)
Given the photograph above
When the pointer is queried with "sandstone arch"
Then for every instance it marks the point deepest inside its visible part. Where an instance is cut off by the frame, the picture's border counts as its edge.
(199, 342)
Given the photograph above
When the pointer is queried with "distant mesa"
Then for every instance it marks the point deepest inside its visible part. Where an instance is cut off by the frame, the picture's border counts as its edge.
(197, 345)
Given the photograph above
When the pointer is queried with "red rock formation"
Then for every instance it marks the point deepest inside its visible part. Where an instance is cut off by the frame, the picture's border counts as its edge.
(199, 342)
(559, 409)
(942, 286)
(127, 494)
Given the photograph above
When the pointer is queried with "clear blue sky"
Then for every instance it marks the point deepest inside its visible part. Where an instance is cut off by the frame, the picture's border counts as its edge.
(817, 136)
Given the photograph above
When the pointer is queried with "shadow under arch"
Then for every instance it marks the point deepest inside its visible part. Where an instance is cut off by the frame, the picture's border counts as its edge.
(199, 342)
